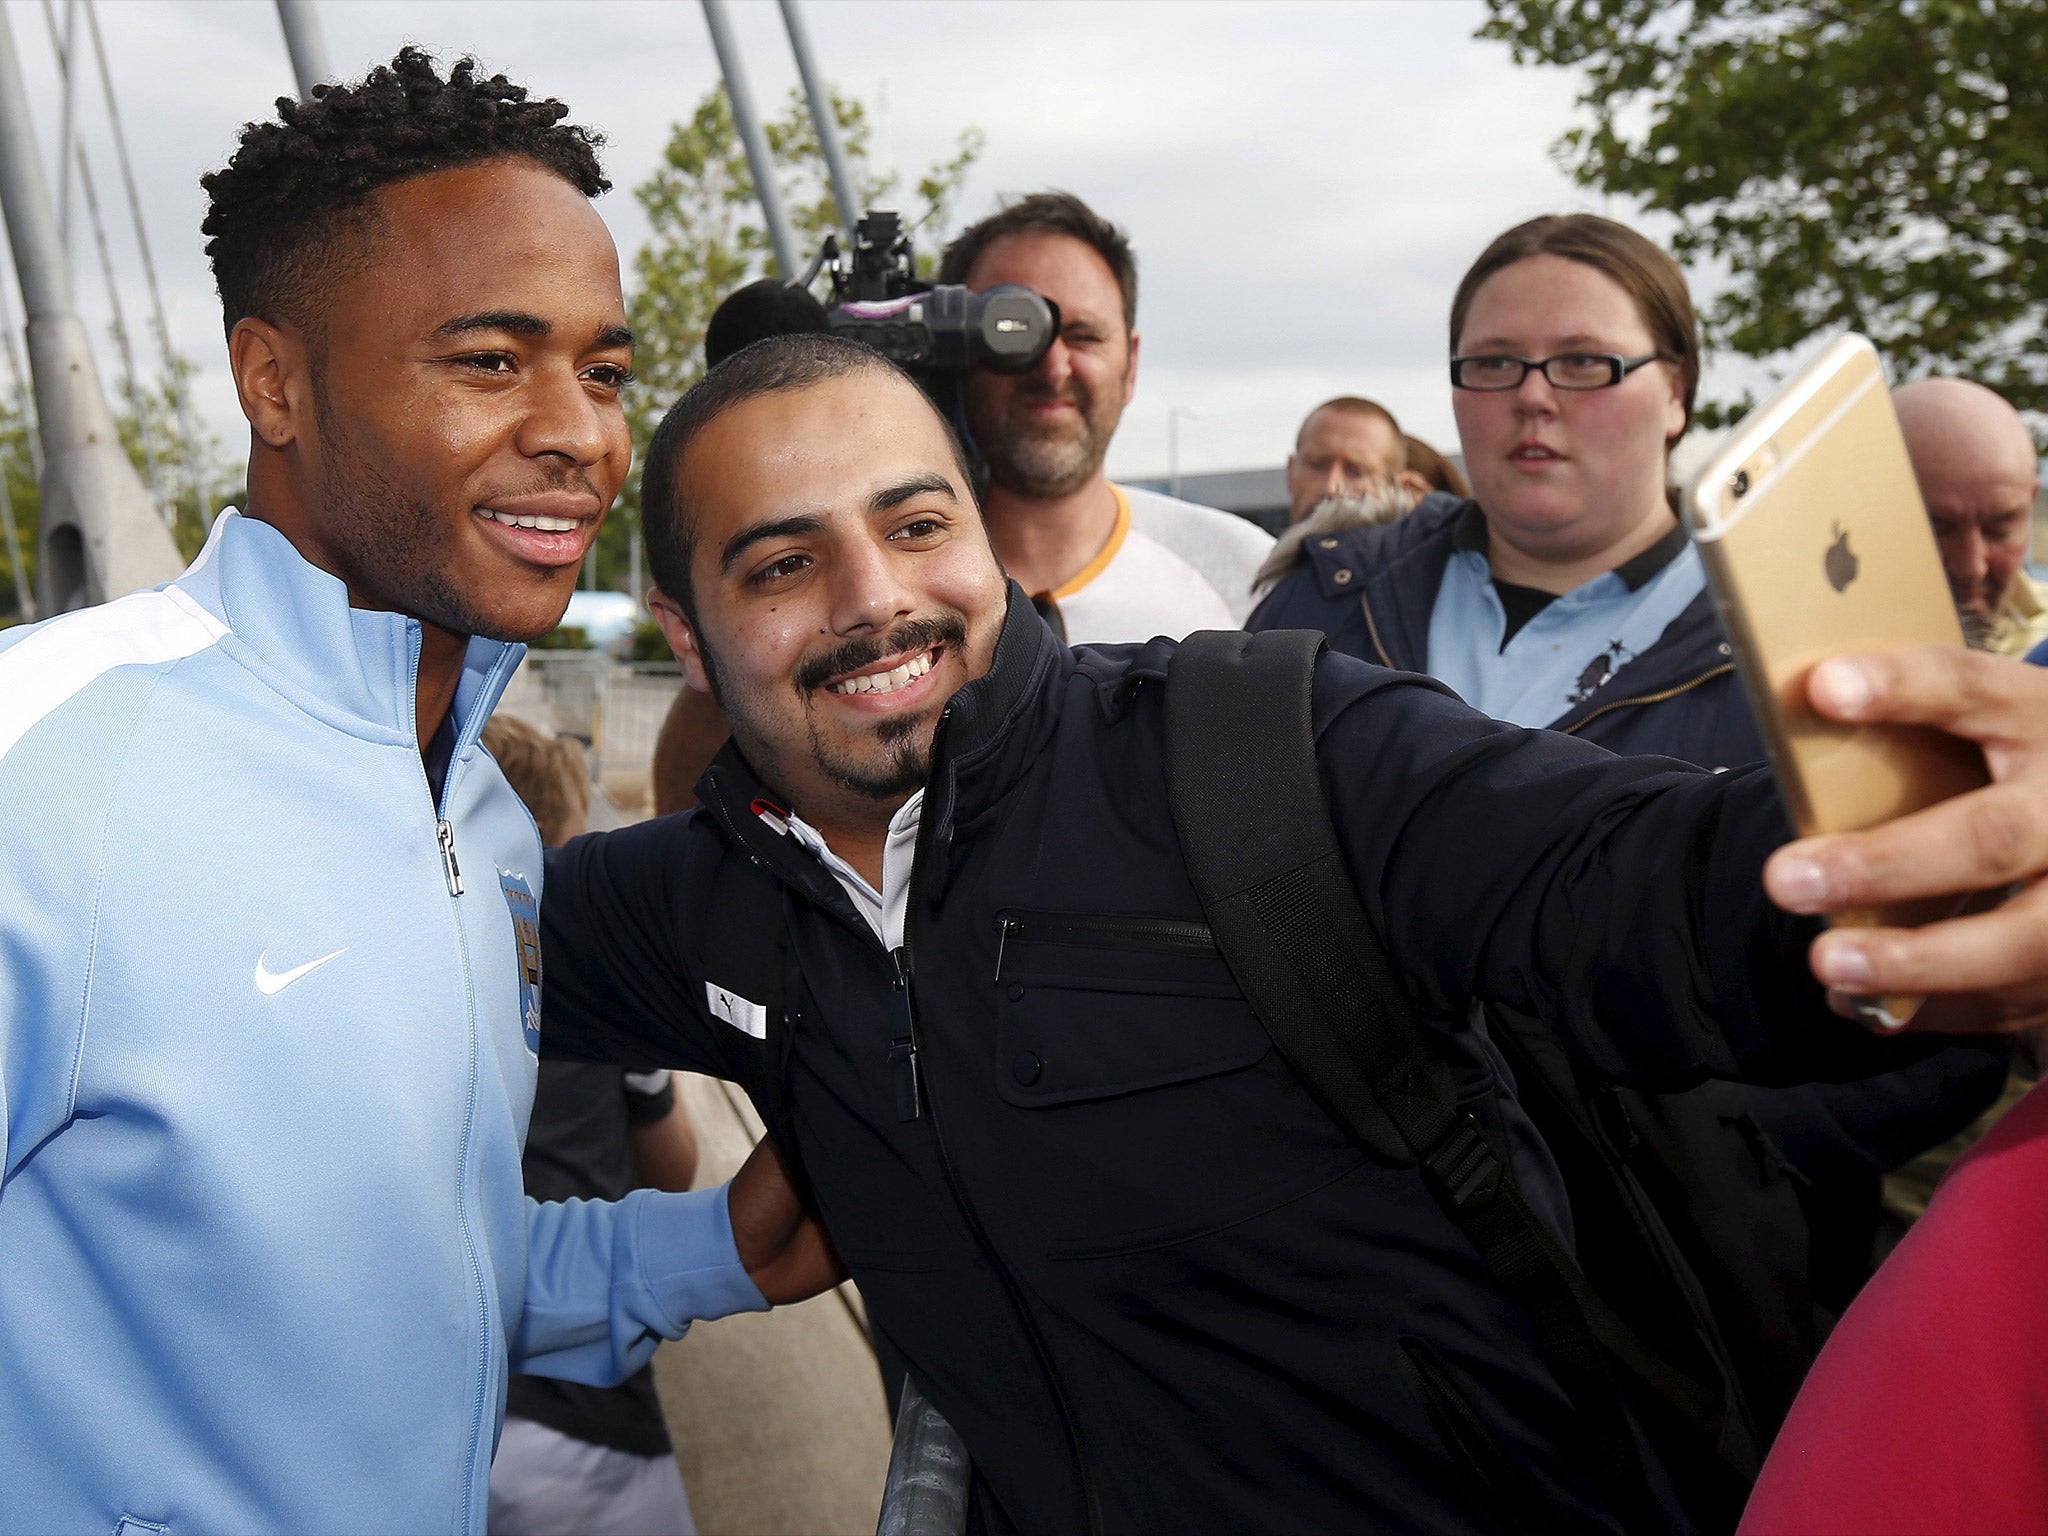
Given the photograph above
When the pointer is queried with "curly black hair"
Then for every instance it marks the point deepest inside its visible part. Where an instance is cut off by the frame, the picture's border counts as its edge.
(290, 210)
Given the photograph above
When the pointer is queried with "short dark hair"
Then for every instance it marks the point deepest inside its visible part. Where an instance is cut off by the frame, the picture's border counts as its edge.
(1641, 267)
(772, 366)
(1049, 213)
(289, 211)
(1354, 405)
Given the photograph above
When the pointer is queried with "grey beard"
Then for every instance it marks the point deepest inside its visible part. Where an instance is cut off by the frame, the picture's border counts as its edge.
(1043, 468)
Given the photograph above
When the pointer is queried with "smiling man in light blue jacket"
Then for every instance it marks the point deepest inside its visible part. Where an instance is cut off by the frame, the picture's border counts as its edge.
(269, 975)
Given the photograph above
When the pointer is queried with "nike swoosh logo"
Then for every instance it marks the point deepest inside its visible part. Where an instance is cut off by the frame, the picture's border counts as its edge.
(271, 983)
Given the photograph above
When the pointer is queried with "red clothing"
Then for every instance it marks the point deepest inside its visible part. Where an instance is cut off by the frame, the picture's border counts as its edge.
(1927, 1411)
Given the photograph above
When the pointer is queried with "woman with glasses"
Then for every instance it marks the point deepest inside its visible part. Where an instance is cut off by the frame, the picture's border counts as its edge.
(1564, 593)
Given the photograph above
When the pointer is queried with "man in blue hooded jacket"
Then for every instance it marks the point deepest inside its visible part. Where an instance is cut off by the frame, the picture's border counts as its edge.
(269, 966)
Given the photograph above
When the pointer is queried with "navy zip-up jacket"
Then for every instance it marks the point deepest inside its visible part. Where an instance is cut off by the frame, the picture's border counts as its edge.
(1371, 590)
(1123, 1250)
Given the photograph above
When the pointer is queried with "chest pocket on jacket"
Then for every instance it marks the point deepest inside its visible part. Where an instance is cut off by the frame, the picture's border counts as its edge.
(1158, 1109)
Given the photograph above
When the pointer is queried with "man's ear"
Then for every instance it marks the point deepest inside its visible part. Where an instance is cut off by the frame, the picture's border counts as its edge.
(273, 379)
(1131, 370)
(681, 637)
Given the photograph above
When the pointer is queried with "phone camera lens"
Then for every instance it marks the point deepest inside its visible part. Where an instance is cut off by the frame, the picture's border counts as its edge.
(1740, 485)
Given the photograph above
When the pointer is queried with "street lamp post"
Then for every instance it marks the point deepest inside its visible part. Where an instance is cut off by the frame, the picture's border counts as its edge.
(1173, 416)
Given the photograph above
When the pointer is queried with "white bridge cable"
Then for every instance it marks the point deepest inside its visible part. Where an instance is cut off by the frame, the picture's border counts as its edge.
(181, 396)
(67, 122)
(130, 382)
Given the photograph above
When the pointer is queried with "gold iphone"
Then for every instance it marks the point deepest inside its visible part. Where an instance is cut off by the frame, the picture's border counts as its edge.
(1816, 543)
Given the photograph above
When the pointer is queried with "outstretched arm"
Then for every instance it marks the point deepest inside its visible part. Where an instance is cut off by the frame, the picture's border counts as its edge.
(1620, 898)
(1626, 898)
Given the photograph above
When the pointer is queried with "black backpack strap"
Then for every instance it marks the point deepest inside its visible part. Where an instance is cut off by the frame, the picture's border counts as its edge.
(1285, 913)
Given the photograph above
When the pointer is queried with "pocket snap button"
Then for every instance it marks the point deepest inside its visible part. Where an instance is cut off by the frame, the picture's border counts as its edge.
(1027, 1068)
(1016, 994)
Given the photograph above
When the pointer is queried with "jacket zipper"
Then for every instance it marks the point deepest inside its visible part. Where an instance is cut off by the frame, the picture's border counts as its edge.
(1649, 698)
(444, 832)
(1373, 629)
(1101, 930)
(451, 873)
(923, 1107)
(1573, 729)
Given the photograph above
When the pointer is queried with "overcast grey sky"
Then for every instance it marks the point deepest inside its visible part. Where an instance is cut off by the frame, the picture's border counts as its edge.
(1305, 182)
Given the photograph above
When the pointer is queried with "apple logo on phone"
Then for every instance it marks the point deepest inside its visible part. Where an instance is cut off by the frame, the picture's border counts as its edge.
(1842, 563)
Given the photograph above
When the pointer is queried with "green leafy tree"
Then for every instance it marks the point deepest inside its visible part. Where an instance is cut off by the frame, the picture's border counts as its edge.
(708, 238)
(194, 478)
(17, 470)
(1881, 167)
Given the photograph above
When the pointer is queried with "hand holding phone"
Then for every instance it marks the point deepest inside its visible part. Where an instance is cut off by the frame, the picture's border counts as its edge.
(1816, 544)
(1983, 972)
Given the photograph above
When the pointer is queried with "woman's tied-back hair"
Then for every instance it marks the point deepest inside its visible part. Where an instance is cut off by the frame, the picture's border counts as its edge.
(292, 210)
(1640, 266)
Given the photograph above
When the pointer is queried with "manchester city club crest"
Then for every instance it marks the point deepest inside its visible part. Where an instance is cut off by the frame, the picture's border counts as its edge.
(526, 934)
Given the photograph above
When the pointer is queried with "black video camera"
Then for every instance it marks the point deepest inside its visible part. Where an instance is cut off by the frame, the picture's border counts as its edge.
(929, 328)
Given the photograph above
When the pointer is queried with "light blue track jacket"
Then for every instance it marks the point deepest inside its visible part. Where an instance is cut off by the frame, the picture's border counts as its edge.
(265, 1074)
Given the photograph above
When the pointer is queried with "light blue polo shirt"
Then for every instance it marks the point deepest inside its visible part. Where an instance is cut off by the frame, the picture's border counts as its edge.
(1560, 658)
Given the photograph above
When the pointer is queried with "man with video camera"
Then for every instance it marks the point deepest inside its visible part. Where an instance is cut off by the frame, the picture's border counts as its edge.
(1104, 562)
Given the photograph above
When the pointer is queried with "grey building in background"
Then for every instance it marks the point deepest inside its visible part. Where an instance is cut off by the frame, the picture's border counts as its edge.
(1257, 494)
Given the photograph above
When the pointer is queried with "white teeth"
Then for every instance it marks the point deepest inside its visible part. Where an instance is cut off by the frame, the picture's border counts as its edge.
(886, 682)
(542, 524)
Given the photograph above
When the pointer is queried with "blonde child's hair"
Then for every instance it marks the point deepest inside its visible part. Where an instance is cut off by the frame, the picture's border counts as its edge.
(548, 772)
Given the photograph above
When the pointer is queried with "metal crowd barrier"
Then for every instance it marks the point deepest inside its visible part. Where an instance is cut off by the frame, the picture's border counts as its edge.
(615, 708)
(926, 1494)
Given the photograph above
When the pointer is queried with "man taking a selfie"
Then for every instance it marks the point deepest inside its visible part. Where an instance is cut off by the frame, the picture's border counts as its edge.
(936, 916)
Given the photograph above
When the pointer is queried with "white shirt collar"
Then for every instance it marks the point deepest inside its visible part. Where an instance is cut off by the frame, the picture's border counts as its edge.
(883, 909)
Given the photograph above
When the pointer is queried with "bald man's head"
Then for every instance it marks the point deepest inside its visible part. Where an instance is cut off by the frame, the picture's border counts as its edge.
(1975, 461)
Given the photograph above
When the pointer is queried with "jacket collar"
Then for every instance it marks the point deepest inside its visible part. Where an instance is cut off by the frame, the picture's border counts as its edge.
(352, 668)
(1691, 649)
(992, 727)
(1401, 565)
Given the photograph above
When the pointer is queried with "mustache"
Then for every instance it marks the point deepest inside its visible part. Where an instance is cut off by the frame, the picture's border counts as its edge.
(564, 478)
(910, 636)
(1071, 393)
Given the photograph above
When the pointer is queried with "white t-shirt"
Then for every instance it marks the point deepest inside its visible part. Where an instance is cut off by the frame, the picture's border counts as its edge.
(1169, 568)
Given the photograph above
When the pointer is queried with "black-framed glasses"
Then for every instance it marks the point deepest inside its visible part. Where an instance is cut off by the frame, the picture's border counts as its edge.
(1567, 370)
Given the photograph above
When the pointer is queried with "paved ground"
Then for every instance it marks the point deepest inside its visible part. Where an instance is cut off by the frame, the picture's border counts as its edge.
(777, 1417)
